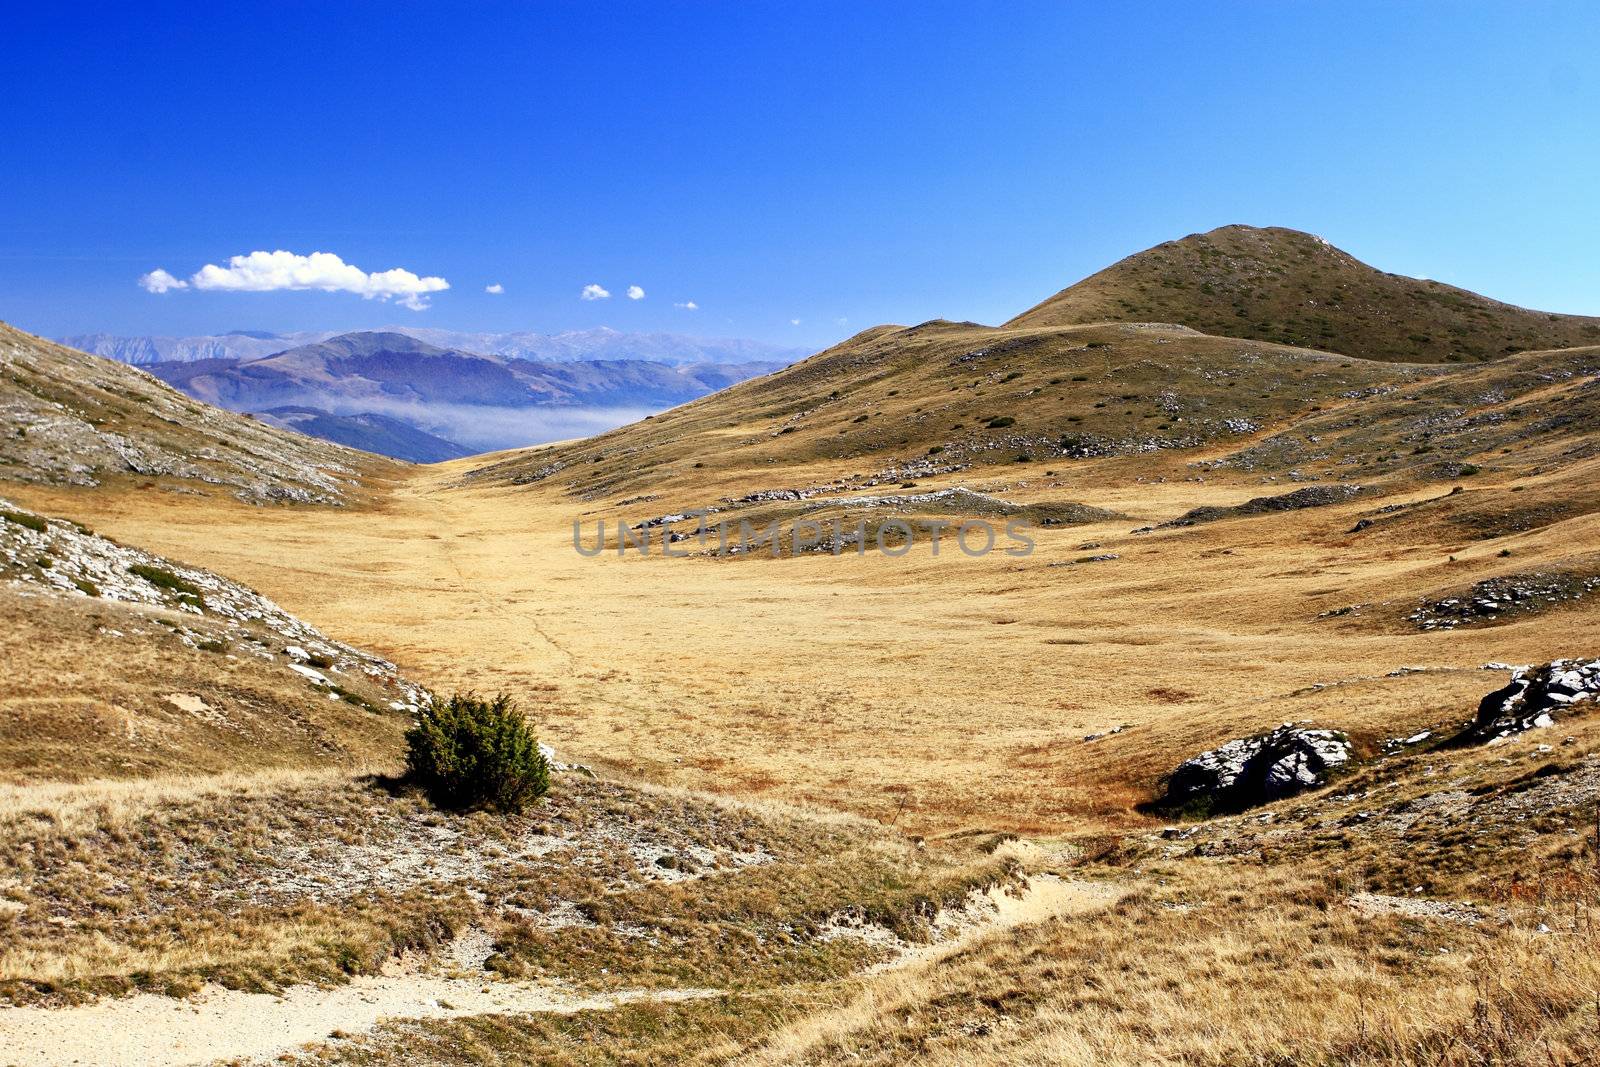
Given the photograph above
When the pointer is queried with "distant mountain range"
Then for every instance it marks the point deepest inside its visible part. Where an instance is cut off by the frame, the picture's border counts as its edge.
(572, 346)
(354, 371)
(391, 393)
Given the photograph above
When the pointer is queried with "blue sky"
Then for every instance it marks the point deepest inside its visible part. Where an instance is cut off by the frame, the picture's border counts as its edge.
(840, 164)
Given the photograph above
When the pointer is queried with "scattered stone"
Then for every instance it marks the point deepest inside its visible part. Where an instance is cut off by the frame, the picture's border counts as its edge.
(554, 764)
(316, 676)
(1497, 598)
(1371, 905)
(1102, 558)
(1395, 744)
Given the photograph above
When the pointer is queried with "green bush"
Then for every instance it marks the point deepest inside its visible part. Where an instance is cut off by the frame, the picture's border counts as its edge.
(466, 753)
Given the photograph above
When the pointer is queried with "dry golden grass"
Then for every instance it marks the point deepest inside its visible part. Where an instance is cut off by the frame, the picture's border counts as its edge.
(1264, 971)
(100, 804)
(966, 687)
(961, 686)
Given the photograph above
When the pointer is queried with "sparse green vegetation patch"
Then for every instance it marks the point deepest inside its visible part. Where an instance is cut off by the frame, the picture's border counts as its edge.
(162, 578)
(23, 519)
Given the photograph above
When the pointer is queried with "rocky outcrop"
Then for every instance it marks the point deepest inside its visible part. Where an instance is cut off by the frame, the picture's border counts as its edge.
(1312, 496)
(1255, 770)
(1535, 698)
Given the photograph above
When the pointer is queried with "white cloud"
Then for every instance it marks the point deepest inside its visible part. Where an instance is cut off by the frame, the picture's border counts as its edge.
(159, 281)
(794, 322)
(688, 305)
(263, 272)
(635, 293)
(594, 292)
(496, 288)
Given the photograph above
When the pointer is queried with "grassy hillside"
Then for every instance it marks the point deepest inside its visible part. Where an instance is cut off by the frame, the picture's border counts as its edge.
(893, 403)
(1281, 285)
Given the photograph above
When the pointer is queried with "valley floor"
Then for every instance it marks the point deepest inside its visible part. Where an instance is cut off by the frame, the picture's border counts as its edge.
(1437, 905)
(954, 691)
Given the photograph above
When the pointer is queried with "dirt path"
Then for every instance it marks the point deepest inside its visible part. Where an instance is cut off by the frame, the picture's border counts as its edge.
(222, 1024)
(988, 915)
(1046, 896)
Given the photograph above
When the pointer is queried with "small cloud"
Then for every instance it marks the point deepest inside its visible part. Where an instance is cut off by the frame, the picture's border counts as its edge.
(688, 305)
(635, 293)
(842, 320)
(794, 322)
(594, 292)
(159, 281)
(496, 288)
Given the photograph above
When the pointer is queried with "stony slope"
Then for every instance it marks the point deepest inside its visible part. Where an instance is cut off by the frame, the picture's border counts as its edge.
(69, 418)
(1531, 411)
(121, 663)
(1282, 285)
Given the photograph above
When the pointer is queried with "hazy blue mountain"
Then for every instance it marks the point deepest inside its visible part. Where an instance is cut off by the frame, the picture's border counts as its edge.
(368, 432)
